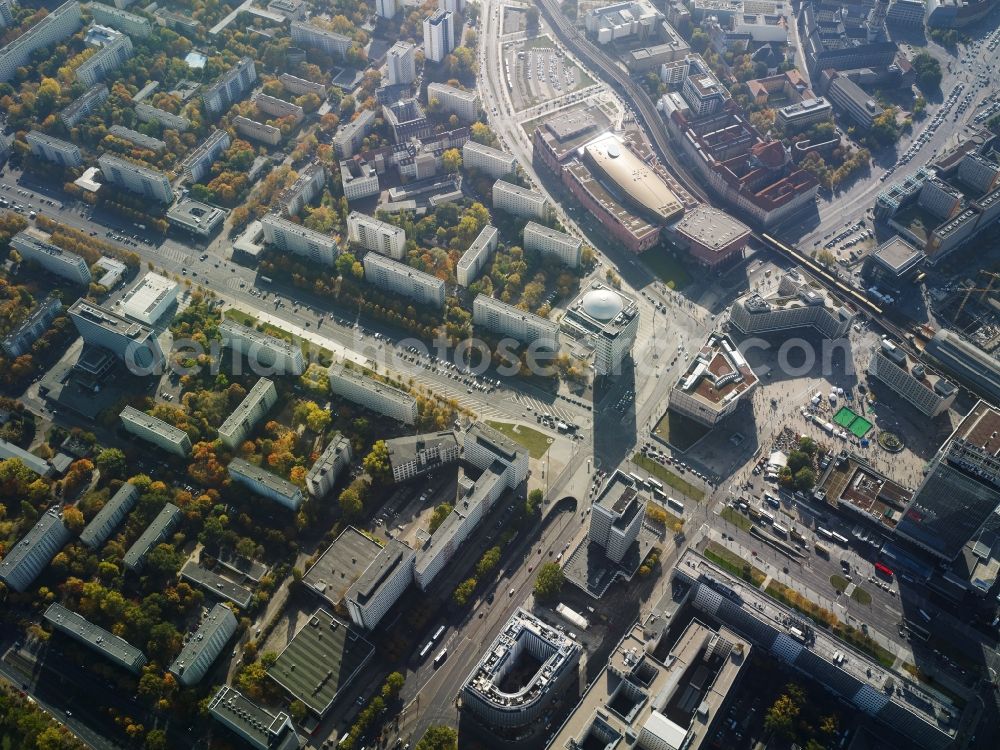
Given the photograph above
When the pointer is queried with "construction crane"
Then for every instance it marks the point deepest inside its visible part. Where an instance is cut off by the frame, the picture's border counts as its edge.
(971, 289)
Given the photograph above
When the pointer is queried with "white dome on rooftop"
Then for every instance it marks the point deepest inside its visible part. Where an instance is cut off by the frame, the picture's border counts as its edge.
(602, 304)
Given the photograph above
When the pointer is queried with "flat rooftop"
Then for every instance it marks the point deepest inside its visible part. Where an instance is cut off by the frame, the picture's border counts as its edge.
(854, 484)
(711, 228)
(633, 177)
(94, 636)
(601, 310)
(341, 564)
(142, 299)
(675, 699)
(320, 661)
(897, 254)
(619, 495)
(407, 448)
(250, 402)
(259, 338)
(216, 584)
(267, 478)
(153, 424)
(388, 560)
(718, 374)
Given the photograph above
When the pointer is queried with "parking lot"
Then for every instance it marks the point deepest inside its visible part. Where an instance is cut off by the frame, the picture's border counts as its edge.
(538, 72)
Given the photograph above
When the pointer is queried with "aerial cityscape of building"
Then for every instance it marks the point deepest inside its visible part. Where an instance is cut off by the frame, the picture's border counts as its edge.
(490, 375)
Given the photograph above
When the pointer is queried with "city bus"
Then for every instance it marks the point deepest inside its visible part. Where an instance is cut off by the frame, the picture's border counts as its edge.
(440, 657)
(637, 479)
(839, 539)
(675, 504)
(824, 533)
(766, 517)
(659, 494)
(883, 571)
(654, 485)
(425, 650)
(437, 634)
(779, 530)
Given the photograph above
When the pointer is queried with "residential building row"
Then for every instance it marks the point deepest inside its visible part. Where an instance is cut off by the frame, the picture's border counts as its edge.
(371, 394)
(399, 278)
(158, 531)
(264, 351)
(376, 236)
(477, 256)
(294, 238)
(256, 403)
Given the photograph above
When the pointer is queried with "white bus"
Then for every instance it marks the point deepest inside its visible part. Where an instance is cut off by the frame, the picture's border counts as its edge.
(425, 650)
(839, 538)
(824, 533)
(637, 479)
(779, 530)
(437, 634)
(675, 504)
(766, 516)
(440, 657)
(653, 484)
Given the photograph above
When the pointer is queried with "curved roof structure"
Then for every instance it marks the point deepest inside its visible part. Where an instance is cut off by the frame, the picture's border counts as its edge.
(602, 304)
(633, 177)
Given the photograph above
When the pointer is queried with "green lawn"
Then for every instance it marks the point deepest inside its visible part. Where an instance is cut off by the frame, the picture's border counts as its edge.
(671, 271)
(734, 564)
(325, 355)
(736, 518)
(539, 42)
(668, 477)
(536, 442)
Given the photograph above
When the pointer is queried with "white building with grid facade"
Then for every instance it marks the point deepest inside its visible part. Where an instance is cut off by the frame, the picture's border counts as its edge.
(477, 257)
(519, 201)
(375, 235)
(393, 276)
(371, 394)
(294, 238)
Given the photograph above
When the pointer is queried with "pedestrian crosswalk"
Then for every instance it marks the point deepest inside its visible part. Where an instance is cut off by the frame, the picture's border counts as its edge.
(561, 412)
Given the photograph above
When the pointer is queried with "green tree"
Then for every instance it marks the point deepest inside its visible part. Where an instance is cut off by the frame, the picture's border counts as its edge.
(111, 463)
(451, 160)
(376, 463)
(549, 581)
(534, 502)
(440, 513)
(393, 684)
(464, 591)
(439, 737)
(805, 479)
(928, 70)
(297, 710)
(156, 739)
(488, 561)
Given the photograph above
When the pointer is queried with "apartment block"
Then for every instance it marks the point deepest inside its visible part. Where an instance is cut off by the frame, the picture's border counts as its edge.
(607, 321)
(290, 9)
(156, 533)
(114, 49)
(148, 113)
(198, 164)
(7, 13)
(704, 93)
(454, 101)
(507, 320)
(371, 394)
(112, 647)
(488, 160)
(26, 560)
(84, 104)
(519, 201)
(413, 455)
(51, 257)
(385, 8)
(136, 178)
(203, 646)
(272, 105)
(302, 86)
(927, 391)
(122, 20)
(439, 35)
(255, 405)
(940, 199)
(295, 238)
(257, 131)
(350, 136)
(138, 139)
(110, 517)
(477, 257)
(552, 243)
(329, 466)
(262, 349)
(979, 172)
(306, 187)
(265, 483)
(329, 42)
(359, 179)
(617, 516)
(401, 67)
(407, 120)
(229, 88)
(58, 25)
(55, 150)
(375, 235)
(257, 726)
(148, 300)
(130, 341)
(380, 586)
(21, 338)
(156, 431)
(393, 276)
